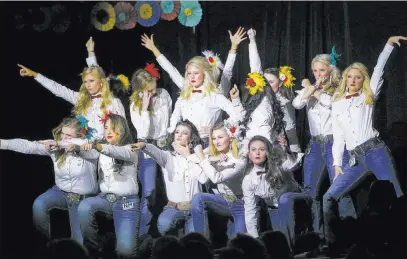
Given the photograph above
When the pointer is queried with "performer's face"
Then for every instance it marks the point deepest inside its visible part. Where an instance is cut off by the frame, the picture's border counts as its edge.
(221, 140)
(152, 88)
(110, 135)
(182, 135)
(320, 70)
(273, 81)
(93, 84)
(68, 133)
(257, 152)
(195, 76)
(354, 80)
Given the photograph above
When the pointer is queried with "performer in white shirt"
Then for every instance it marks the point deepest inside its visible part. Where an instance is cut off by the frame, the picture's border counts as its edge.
(200, 100)
(119, 196)
(281, 82)
(75, 178)
(182, 175)
(150, 111)
(352, 111)
(93, 99)
(268, 179)
(318, 156)
(225, 170)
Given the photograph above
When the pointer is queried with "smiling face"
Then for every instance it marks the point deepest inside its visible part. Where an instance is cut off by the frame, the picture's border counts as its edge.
(182, 135)
(68, 133)
(273, 81)
(257, 152)
(354, 80)
(92, 83)
(320, 70)
(221, 140)
(110, 135)
(195, 76)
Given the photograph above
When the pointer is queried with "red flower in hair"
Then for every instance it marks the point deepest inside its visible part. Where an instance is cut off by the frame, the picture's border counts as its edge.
(210, 60)
(105, 117)
(251, 82)
(84, 131)
(233, 129)
(152, 70)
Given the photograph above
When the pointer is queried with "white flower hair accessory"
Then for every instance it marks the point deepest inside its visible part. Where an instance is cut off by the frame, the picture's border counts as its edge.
(213, 59)
(231, 129)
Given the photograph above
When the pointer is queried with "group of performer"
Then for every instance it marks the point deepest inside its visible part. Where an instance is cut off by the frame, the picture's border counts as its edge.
(240, 167)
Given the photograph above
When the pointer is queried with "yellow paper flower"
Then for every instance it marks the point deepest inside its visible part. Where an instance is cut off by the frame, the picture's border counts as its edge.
(188, 12)
(146, 11)
(255, 83)
(103, 16)
(286, 76)
(125, 80)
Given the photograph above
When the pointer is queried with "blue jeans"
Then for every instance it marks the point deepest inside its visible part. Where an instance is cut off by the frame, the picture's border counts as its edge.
(293, 215)
(54, 198)
(172, 219)
(126, 224)
(147, 177)
(379, 161)
(202, 202)
(316, 160)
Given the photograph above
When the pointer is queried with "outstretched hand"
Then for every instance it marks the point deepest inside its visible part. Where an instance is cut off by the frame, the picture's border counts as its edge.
(396, 40)
(148, 42)
(252, 34)
(237, 37)
(24, 71)
(90, 45)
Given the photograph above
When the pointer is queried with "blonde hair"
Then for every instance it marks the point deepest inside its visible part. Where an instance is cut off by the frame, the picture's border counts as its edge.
(365, 87)
(211, 76)
(73, 123)
(334, 73)
(84, 100)
(234, 146)
(140, 80)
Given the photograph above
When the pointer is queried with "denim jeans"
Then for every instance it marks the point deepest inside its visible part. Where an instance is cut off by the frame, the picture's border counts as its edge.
(147, 178)
(126, 224)
(202, 202)
(54, 198)
(172, 219)
(292, 217)
(316, 160)
(379, 161)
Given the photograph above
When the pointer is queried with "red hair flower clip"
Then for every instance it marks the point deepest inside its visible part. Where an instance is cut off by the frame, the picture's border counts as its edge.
(150, 68)
(105, 117)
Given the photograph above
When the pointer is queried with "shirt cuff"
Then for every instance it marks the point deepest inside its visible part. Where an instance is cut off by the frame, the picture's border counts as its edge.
(3, 144)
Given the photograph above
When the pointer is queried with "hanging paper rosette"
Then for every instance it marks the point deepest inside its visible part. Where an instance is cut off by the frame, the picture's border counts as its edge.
(148, 13)
(126, 16)
(169, 9)
(190, 14)
(61, 19)
(103, 16)
(47, 15)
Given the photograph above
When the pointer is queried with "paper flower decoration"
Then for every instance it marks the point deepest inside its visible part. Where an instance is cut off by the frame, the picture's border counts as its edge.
(286, 76)
(103, 16)
(150, 68)
(126, 16)
(61, 19)
(255, 83)
(148, 13)
(170, 9)
(125, 80)
(105, 116)
(85, 129)
(334, 56)
(47, 16)
(213, 59)
(231, 130)
(190, 14)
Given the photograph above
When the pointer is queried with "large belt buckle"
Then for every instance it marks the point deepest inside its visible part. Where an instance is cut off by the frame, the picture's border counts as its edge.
(111, 197)
(184, 205)
(73, 197)
(229, 198)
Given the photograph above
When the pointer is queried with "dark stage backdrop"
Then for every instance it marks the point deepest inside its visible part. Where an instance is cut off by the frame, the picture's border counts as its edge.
(287, 33)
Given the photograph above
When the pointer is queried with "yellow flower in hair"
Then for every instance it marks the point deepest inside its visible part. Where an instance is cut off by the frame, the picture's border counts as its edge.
(125, 80)
(255, 83)
(286, 76)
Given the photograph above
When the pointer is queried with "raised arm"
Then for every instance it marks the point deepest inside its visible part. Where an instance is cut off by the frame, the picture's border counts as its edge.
(229, 108)
(55, 88)
(254, 57)
(176, 77)
(24, 146)
(91, 60)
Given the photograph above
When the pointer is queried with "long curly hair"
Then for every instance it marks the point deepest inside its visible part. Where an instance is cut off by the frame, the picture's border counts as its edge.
(276, 113)
(70, 122)
(334, 73)
(272, 165)
(286, 92)
(84, 100)
(194, 139)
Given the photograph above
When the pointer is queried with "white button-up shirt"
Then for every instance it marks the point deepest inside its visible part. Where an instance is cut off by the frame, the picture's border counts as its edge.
(94, 112)
(121, 183)
(318, 112)
(75, 175)
(352, 118)
(182, 175)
